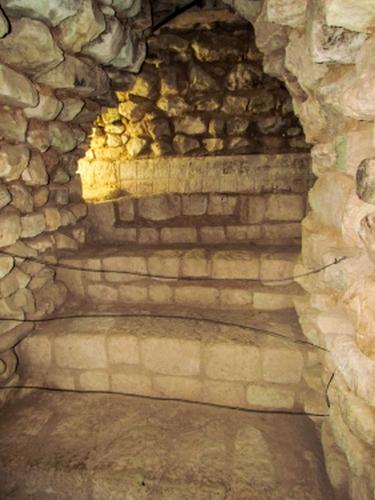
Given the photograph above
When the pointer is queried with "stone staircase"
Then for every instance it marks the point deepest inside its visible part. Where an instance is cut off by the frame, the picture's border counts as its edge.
(179, 315)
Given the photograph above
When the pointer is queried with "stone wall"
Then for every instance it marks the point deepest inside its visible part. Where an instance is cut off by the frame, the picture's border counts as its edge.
(323, 51)
(201, 91)
(51, 89)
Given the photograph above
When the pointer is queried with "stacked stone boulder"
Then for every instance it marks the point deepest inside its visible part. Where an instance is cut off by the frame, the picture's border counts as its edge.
(51, 89)
(323, 51)
(200, 92)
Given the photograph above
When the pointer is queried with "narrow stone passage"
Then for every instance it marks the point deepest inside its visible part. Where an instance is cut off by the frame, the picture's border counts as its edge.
(95, 446)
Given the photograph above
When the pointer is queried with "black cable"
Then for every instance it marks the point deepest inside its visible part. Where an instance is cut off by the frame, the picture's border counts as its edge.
(169, 278)
(170, 316)
(161, 398)
(327, 388)
(176, 13)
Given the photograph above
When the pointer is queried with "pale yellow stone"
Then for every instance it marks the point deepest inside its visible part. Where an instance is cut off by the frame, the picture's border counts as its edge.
(224, 393)
(232, 362)
(282, 365)
(196, 295)
(235, 265)
(131, 384)
(235, 297)
(178, 235)
(102, 293)
(285, 207)
(133, 293)
(36, 353)
(178, 387)
(273, 301)
(195, 263)
(270, 397)
(164, 263)
(171, 356)
(123, 349)
(161, 294)
(94, 380)
(80, 351)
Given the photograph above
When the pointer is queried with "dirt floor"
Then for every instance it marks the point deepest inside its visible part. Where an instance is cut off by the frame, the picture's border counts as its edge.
(109, 447)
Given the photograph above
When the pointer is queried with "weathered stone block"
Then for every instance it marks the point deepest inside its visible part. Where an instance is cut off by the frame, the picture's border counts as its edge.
(10, 229)
(282, 365)
(36, 353)
(123, 349)
(102, 293)
(224, 393)
(277, 265)
(194, 204)
(270, 397)
(94, 380)
(131, 383)
(235, 265)
(80, 351)
(161, 207)
(133, 293)
(212, 234)
(16, 89)
(196, 295)
(13, 161)
(285, 207)
(191, 125)
(32, 225)
(178, 235)
(232, 362)
(164, 263)
(235, 297)
(161, 294)
(195, 263)
(221, 204)
(178, 387)
(171, 356)
(350, 14)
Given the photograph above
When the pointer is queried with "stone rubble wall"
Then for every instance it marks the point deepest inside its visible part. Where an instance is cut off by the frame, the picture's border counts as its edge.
(201, 92)
(52, 87)
(324, 52)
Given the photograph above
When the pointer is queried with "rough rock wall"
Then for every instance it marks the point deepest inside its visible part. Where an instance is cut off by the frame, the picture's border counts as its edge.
(200, 92)
(51, 88)
(324, 52)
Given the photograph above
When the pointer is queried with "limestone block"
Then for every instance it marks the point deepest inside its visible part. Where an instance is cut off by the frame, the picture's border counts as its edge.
(94, 380)
(82, 27)
(21, 198)
(285, 207)
(6, 265)
(30, 47)
(244, 233)
(131, 383)
(350, 14)
(74, 73)
(277, 265)
(161, 294)
(102, 293)
(178, 387)
(282, 365)
(148, 235)
(13, 161)
(123, 349)
(133, 293)
(190, 125)
(80, 351)
(178, 235)
(47, 109)
(228, 361)
(4, 24)
(71, 106)
(106, 46)
(173, 105)
(329, 44)
(270, 397)
(164, 263)
(183, 144)
(233, 264)
(13, 281)
(221, 204)
(16, 89)
(234, 104)
(195, 263)
(136, 146)
(36, 352)
(13, 124)
(32, 225)
(224, 393)
(201, 81)
(209, 47)
(61, 136)
(270, 37)
(287, 12)
(273, 301)
(10, 229)
(199, 296)
(162, 207)
(213, 144)
(51, 11)
(212, 234)
(253, 209)
(194, 204)
(171, 356)
(5, 197)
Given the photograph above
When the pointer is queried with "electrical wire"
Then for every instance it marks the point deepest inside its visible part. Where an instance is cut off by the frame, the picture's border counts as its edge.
(69, 267)
(161, 398)
(169, 316)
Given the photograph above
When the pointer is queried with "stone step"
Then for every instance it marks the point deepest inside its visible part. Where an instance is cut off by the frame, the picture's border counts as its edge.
(164, 219)
(108, 447)
(186, 357)
(213, 278)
